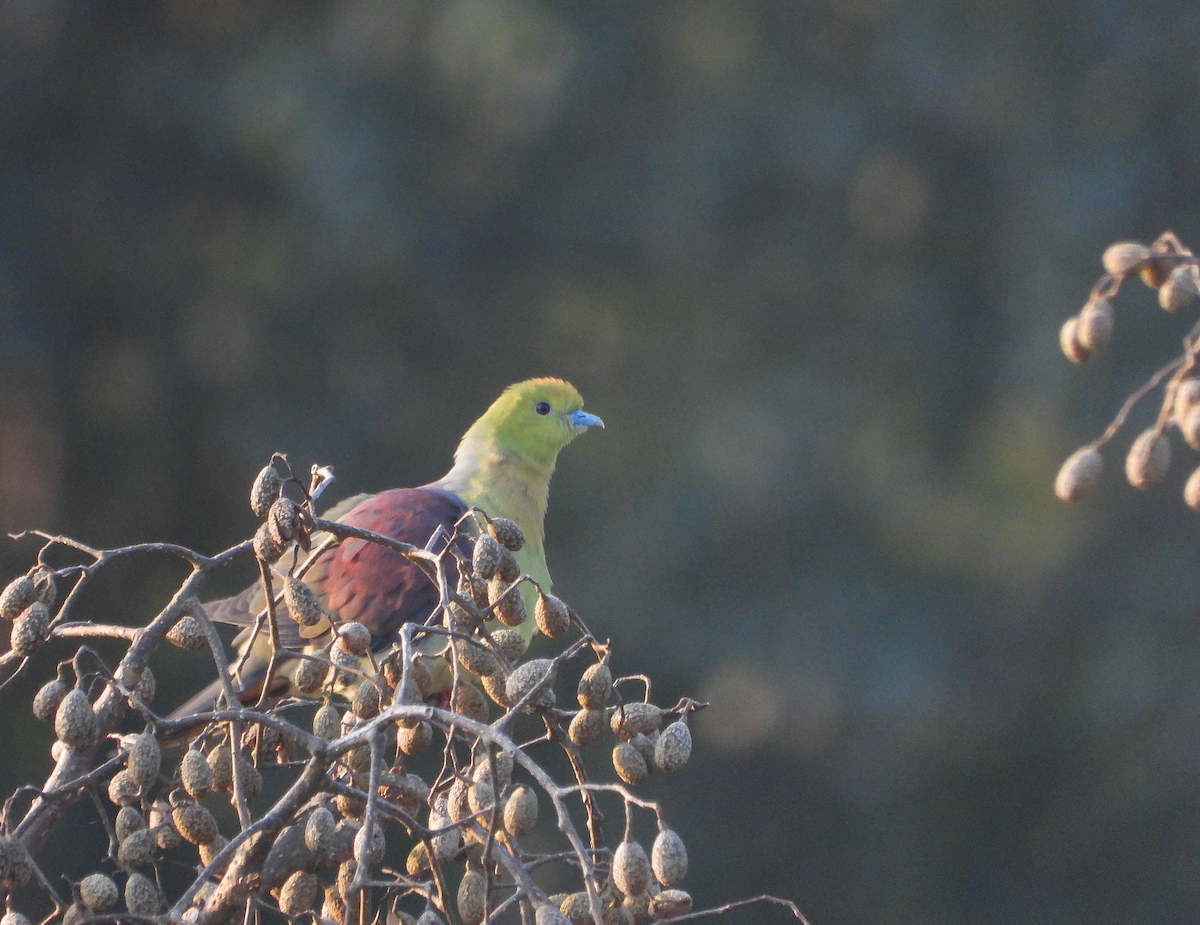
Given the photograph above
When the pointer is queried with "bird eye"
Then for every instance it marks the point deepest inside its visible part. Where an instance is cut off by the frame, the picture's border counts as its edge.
(542, 407)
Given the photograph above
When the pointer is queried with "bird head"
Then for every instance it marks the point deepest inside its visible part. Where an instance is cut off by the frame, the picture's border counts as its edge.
(534, 420)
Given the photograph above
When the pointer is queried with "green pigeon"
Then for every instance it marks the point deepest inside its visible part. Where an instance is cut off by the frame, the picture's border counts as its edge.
(502, 466)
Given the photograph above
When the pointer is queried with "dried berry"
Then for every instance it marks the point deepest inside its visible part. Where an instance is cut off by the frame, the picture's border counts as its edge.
(298, 894)
(418, 860)
(345, 661)
(674, 747)
(99, 892)
(507, 533)
(1095, 327)
(595, 686)
(632, 718)
(472, 891)
(16, 596)
(366, 700)
(194, 822)
(577, 908)
(1148, 459)
(645, 746)
(511, 643)
(44, 585)
(370, 847)
(75, 720)
(481, 797)
(301, 602)
(283, 521)
(485, 558)
(266, 546)
(252, 780)
(138, 849)
(145, 687)
(629, 764)
(29, 629)
(527, 677)
(477, 658)
(212, 849)
(510, 606)
(1157, 269)
(123, 789)
(160, 820)
(467, 701)
(1068, 340)
(494, 685)
(520, 811)
(220, 762)
(587, 726)
(500, 765)
(48, 698)
(473, 588)
(188, 633)
(1124, 257)
(414, 739)
(310, 675)
(553, 618)
(319, 829)
(142, 896)
(670, 903)
(1079, 475)
(327, 722)
(15, 866)
(1179, 290)
(129, 820)
(144, 760)
(631, 868)
(668, 858)
(265, 491)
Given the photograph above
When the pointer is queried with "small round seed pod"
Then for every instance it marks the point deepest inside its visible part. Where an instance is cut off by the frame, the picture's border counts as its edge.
(48, 698)
(629, 764)
(485, 558)
(670, 903)
(1157, 270)
(29, 629)
(458, 805)
(1079, 475)
(668, 858)
(298, 894)
(645, 746)
(129, 820)
(1124, 257)
(13, 917)
(187, 633)
(414, 739)
(283, 521)
(1149, 459)
(366, 701)
(212, 849)
(632, 718)
(1191, 491)
(266, 547)
(595, 686)
(327, 722)
(319, 829)
(462, 620)
(494, 685)
(511, 643)
(333, 907)
(639, 908)
(301, 602)
(631, 868)
(370, 847)
(16, 596)
(418, 860)
(553, 618)
(467, 701)
(144, 760)
(145, 687)
(346, 663)
(15, 866)
(1179, 290)
(75, 720)
(265, 491)
(587, 726)
(472, 587)
(1068, 340)
(358, 759)
(480, 797)
(310, 675)
(527, 677)
(509, 608)
(477, 658)
(576, 907)
(194, 822)
(472, 891)
(138, 849)
(673, 748)
(98, 892)
(508, 569)
(142, 896)
(422, 677)
(547, 914)
(501, 764)
(123, 789)
(520, 811)
(252, 780)
(1095, 327)
(507, 533)
(220, 762)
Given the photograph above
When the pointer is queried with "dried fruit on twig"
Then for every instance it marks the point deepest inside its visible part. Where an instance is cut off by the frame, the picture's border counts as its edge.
(1149, 459)
(526, 677)
(507, 533)
(629, 764)
(138, 849)
(511, 643)
(472, 893)
(520, 811)
(48, 697)
(187, 633)
(595, 686)
(194, 822)
(75, 720)
(547, 914)
(632, 718)
(1124, 257)
(123, 789)
(319, 829)
(1096, 323)
(553, 618)
(631, 868)
(1068, 340)
(15, 866)
(142, 896)
(668, 858)
(298, 894)
(477, 658)
(265, 491)
(587, 726)
(485, 558)
(29, 629)
(98, 892)
(266, 546)
(509, 604)
(467, 701)
(310, 675)
(302, 602)
(674, 747)
(414, 739)
(1179, 290)
(670, 903)
(1079, 475)
(16, 596)
(129, 820)
(144, 760)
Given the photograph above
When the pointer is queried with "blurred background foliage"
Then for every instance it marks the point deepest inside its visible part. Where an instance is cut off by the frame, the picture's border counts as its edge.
(808, 261)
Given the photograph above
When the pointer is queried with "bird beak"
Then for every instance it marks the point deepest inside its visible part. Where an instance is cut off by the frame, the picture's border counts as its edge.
(581, 420)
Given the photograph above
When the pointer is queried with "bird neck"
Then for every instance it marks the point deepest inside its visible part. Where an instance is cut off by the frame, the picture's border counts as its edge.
(503, 484)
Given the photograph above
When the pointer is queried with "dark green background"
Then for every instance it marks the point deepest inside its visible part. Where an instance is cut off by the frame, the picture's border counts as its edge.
(807, 260)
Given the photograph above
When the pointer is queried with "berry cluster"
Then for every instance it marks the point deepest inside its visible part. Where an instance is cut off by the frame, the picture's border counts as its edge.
(380, 783)
(1172, 269)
